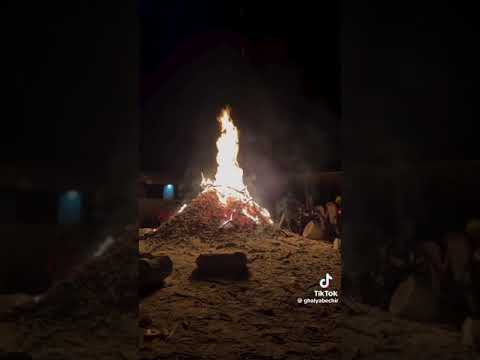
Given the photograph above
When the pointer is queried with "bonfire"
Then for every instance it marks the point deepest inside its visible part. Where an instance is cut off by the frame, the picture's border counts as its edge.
(224, 202)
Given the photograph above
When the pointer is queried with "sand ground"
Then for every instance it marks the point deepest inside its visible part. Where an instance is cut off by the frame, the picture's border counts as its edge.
(258, 318)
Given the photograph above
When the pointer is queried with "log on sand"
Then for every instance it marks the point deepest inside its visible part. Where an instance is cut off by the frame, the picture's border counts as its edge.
(229, 266)
(152, 272)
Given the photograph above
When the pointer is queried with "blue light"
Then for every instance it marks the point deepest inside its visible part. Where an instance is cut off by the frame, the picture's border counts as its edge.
(168, 192)
(70, 208)
(72, 194)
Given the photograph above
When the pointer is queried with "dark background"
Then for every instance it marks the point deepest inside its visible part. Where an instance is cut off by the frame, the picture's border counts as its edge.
(68, 121)
(408, 127)
(277, 66)
(67, 70)
(70, 81)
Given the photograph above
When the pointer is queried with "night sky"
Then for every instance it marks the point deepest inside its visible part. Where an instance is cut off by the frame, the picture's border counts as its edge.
(70, 84)
(406, 81)
(276, 65)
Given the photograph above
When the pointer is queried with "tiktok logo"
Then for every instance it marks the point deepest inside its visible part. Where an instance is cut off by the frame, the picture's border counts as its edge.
(325, 282)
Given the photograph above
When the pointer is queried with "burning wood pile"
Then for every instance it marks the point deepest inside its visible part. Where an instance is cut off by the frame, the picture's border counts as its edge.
(224, 205)
(206, 216)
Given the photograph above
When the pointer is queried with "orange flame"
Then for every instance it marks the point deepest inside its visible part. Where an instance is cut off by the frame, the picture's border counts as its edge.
(228, 181)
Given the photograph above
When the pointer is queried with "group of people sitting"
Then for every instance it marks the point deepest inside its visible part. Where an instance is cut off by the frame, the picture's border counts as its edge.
(294, 215)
